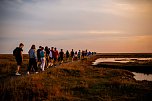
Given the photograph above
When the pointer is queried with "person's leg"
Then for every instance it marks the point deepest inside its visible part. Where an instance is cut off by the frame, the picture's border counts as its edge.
(68, 58)
(39, 63)
(41, 66)
(44, 64)
(48, 63)
(52, 60)
(18, 68)
(83, 56)
(72, 58)
(79, 57)
(61, 60)
(29, 67)
(35, 65)
(17, 71)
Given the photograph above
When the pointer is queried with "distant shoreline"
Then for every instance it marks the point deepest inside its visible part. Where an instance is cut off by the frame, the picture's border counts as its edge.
(127, 55)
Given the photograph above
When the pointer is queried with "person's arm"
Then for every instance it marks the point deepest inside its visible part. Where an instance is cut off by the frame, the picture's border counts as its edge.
(35, 54)
(57, 53)
(29, 53)
(44, 54)
(22, 55)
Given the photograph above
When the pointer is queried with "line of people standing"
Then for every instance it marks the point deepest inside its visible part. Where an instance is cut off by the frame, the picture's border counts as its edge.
(46, 57)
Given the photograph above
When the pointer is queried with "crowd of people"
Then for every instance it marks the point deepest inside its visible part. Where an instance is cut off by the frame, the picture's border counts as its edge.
(46, 57)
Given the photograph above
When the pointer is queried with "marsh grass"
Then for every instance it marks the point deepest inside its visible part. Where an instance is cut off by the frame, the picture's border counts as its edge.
(71, 81)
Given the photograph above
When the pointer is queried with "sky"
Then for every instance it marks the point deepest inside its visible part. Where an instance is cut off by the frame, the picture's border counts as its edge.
(105, 26)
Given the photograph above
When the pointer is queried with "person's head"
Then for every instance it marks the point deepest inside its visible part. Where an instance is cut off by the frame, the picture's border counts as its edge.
(55, 48)
(46, 48)
(61, 50)
(72, 49)
(52, 48)
(79, 50)
(40, 47)
(21, 45)
(33, 47)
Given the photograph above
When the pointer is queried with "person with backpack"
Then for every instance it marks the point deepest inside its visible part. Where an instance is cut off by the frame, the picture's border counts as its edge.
(32, 59)
(61, 56)
(19, 57)
(39, 56)
(89, 53)
(42, 54)
(51, 58)
(72, 55)
(67, 55)
(83, 54)
(75, 55)
(47, 56)
(79, 54)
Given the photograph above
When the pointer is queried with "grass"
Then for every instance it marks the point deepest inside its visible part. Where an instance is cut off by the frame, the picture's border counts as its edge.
(73, 81)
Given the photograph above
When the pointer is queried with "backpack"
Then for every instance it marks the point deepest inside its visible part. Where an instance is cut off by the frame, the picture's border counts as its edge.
(38, 53)
(15, 52)
(42, 53)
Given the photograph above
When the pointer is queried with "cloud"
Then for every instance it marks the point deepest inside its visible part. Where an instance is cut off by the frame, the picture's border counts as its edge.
(76, 15)
(68, 20)
(135, 1)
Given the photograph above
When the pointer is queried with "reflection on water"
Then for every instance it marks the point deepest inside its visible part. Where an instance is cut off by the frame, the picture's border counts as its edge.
(142, 76)
(121, 60)
(138, 76)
